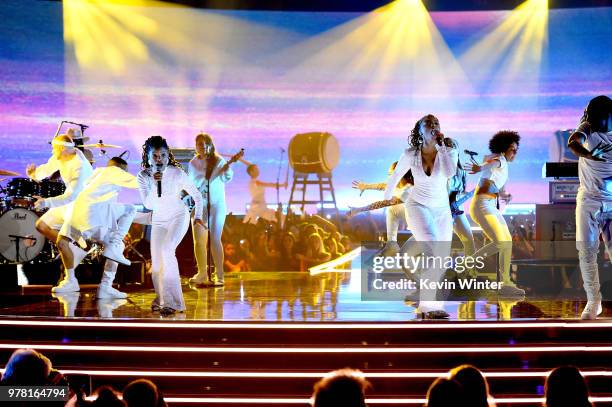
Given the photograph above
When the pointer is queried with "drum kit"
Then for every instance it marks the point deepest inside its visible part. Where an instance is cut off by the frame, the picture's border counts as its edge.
(20, 242)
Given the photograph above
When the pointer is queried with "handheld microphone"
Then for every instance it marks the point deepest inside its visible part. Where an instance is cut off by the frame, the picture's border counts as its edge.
(159, 189)
(472, 153)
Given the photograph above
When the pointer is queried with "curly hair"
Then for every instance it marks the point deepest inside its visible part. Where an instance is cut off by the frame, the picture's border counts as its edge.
(597, 113)
(154, 143)
(502, 140)
(416, 139)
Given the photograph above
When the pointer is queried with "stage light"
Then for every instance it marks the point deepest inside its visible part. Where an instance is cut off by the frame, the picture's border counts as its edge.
(507, 60)
(394, 50)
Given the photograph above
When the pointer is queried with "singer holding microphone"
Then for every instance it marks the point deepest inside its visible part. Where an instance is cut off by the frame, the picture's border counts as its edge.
(432, 160)
(161, 184)
(209, 172)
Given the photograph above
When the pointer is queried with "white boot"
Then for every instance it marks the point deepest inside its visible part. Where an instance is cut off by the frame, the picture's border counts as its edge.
(113, 250)
(68, 285)
(200, 278)
(592, 309)
(105, 289)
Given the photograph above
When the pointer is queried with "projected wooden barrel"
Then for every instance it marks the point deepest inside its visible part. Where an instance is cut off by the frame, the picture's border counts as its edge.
(314, 152)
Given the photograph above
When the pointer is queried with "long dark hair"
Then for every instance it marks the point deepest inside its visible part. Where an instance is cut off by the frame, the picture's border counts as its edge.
(154, 143)
(565, 386)
(597, 113)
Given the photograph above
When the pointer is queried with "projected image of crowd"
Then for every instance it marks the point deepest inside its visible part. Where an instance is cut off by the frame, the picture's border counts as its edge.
(463, 386)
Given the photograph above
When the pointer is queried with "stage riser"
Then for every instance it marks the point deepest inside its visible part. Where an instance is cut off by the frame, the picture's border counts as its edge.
(221, 356)
(302, 387)
(321, 362)
(309, 337)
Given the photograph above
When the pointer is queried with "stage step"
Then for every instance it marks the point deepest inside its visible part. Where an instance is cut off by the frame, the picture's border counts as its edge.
(276, 364)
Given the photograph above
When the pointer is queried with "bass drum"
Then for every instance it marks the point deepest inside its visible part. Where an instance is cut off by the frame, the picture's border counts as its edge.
(314, 152)
(20, 222)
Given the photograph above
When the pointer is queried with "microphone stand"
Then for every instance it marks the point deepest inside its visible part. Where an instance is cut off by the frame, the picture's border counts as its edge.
(210, 268)
(279, 206)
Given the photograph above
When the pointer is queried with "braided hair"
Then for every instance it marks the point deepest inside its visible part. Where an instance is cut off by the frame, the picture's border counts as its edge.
(154, 143)
(597, 113)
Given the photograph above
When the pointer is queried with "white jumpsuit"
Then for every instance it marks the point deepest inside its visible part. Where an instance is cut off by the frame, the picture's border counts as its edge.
(218, 211)
(593, 210)
(170, 222)
(74, 173)
(428, 210)
(96, 212)
(259, 207)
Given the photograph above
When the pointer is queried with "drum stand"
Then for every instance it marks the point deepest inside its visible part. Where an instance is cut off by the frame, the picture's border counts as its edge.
(21, 277)
(323, 180)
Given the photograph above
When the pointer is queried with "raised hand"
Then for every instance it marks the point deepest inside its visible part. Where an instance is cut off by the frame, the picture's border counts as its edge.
(359, 185)
(472, 168)
(31, 170)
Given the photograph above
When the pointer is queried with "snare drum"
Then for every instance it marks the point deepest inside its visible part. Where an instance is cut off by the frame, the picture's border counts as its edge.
(20, 224)
(20, 192)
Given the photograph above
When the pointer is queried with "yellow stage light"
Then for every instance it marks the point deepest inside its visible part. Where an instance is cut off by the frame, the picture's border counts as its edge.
(508, 59)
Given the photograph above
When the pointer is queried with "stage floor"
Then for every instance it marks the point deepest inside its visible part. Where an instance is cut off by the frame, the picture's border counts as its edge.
(275, 296)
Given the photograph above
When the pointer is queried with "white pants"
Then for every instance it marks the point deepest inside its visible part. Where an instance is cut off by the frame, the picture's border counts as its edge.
(431, 225)
(463, 230)
(217, 221)
(165, 238)
(118, 225)
(484, 212)
(592, 218)
(394, 216)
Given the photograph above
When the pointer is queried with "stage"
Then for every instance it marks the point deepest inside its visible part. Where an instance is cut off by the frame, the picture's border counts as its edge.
(277, 296)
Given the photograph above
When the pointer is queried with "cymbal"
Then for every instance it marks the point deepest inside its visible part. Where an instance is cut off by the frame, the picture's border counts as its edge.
(9, 173)
(101, 145)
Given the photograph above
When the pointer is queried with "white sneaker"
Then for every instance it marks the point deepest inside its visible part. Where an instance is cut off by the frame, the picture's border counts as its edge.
(391, 248)
(114, 250)
(591, 310)
(106, 291)
(67, 286)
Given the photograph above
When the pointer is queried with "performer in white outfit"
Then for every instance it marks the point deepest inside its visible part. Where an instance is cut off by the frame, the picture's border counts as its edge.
(483, 209)
(161, 184)
(457, 188)
(395, 214)
(97, 215)
(206, 169)
(257, 189)
(592, 143)
(74, 169)
(432, 161)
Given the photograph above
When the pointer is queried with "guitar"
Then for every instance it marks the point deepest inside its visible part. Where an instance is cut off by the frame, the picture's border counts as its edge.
(204, 189)
(229, 162)
(455, 204)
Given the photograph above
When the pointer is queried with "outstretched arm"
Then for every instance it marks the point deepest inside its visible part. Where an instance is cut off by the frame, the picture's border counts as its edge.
(402, 167)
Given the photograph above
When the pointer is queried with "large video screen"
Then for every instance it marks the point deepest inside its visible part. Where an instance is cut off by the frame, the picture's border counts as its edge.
(254, 79)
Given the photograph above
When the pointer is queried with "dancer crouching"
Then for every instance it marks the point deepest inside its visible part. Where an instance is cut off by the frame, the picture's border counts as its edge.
(160, 184)
(432, 161)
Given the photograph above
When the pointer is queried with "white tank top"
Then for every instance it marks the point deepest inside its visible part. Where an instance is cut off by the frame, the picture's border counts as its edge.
(497, 174)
